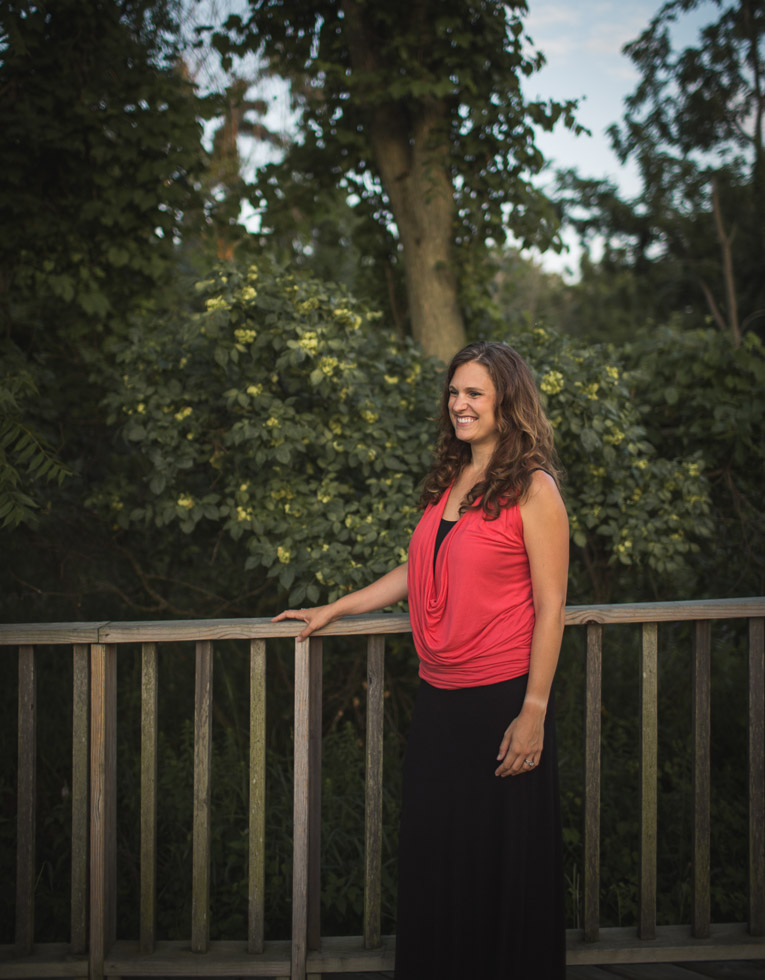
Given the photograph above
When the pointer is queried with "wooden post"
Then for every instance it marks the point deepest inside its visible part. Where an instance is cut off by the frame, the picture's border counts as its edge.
(373, 801)
(257, 825)
(200, 872)
(26, 805)
(315, 661)
(592, 710)
(701, 778)
(300, 821)
(103, 804)
(148, 796)
(757, 777)
(80, 802)
(648, 780)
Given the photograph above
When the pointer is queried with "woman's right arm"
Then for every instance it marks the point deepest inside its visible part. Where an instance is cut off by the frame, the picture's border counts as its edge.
(386, 591)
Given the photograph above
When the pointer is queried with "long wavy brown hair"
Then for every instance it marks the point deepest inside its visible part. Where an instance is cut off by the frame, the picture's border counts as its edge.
(525, 435)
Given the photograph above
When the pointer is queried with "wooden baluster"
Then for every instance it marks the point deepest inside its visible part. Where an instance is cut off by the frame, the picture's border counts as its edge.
(300, 820)
(257, 825)
(592, 708)
(757, 777)
(315, 659)
(80, 803)
(200, 885)
(103, 804)
(374, 795)
(148, 901)
(648, 780)
(26, 805)
(701, 778)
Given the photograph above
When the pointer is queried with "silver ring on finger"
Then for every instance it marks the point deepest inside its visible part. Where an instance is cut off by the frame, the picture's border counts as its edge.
(529, 762)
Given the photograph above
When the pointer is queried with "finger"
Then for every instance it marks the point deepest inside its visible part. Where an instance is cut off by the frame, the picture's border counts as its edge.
(291, 614)
(504, 745)
(507, 766)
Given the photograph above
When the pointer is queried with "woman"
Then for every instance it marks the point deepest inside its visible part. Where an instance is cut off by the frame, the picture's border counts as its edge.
(480, 879)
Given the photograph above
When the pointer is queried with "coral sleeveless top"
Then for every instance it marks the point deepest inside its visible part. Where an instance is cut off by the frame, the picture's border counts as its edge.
(472, 613)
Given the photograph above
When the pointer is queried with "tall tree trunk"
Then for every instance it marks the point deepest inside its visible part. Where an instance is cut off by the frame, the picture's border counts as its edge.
(413, 168)
(410, 143)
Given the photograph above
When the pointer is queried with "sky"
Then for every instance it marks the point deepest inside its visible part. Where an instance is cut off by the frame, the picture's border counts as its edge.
(582, 41)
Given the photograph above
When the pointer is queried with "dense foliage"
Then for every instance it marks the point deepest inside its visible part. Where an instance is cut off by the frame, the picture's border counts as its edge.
(180, 448)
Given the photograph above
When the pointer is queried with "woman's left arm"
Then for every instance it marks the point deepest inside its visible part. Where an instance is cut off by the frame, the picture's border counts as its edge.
(545, 533)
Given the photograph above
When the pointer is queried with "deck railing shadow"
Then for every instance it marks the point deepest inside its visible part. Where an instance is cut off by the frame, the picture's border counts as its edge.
(93, 950)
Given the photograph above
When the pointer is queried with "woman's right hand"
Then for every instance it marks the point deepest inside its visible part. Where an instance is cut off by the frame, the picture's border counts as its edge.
(314, 618)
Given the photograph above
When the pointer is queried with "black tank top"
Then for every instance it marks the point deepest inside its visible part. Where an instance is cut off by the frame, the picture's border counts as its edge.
(443, 529)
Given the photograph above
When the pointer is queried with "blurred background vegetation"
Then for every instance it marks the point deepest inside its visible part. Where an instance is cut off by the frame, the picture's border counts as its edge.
(217, 387)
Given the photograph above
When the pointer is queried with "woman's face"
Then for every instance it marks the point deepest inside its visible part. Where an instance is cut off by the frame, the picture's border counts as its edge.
(472, 405)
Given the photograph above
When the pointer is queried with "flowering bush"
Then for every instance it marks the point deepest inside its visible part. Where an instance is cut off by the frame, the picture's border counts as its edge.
(279, 415)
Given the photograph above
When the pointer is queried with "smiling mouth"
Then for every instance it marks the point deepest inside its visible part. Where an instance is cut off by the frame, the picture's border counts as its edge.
(464, 419)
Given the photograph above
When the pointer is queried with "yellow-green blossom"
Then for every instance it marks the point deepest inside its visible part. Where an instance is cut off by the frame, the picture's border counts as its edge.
(283, 554)
(254, 390)
(216, 303)
(552, 382)
(272, 423)
(185, 501)
(249, 293)
(245, 336)
(183, 413)
(309, 342)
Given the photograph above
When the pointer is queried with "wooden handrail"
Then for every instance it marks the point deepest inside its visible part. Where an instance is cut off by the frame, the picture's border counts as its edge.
(95, 649)
(194, 630)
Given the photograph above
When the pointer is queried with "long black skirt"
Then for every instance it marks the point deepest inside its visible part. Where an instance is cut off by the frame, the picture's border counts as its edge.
(480, 869)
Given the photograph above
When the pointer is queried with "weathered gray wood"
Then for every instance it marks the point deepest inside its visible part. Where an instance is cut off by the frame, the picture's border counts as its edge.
(650, 971)
(757, 777)
(660, 612)
(672, 944)
(46, 960)
(729, 970)
(149, 692)
(80, 801)
(247, 629)
(592, 708)
(227, 958)
(26, 806)
(25, 634)
(315, 661)
(373, 801)
(103, 804)
(300, 819)
(262, 628)
(257, 823)
(648, 780)
(701, 777)
(200, 883)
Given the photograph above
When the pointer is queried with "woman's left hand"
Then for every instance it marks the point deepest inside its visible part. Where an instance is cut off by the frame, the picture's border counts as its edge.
(521, 746)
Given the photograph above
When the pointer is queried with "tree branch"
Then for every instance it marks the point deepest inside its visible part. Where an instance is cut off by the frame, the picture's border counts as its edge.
(727, 260)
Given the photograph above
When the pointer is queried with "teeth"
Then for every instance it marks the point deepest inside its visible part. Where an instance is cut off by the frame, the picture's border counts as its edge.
(464, 418)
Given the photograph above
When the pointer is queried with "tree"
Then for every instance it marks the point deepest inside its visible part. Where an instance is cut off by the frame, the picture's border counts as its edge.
(416, 107)
(100, 160)
(100, 153)
(694, 126)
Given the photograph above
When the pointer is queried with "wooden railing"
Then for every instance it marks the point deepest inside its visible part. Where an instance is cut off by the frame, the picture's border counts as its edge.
(93, 949)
